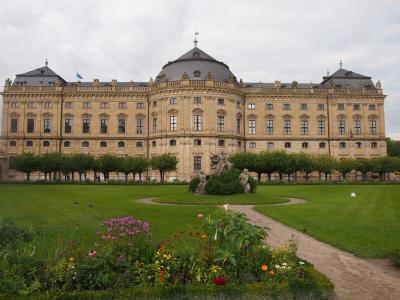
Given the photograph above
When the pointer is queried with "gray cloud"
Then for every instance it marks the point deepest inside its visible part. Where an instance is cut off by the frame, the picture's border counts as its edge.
(259, 40)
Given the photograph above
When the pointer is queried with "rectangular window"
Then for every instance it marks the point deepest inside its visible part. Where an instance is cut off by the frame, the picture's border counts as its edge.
(197, 163)
(103, 125)
(87, 105)
(252, 126)
(68, 104)
(286, 106)
(86, 125)
(197, 142)
(251, 106)
(104, 105)
(340, 106)
(122, 105)
(68, 125)
(238, 122)
(356, 106)
(139, 126)
(172, 101)
(321, 106)
(48, 104)
(221, 143)
(14, 104)
(31, 125)
(238, 104)
(154, 125)
(287, 127)
(372, 107)
(372, 126)
(221, 101)
(269, 106)
(304, 126)
(31, 104)
(342, 127)
(321, 127)
(47, 125)
(197, 122)
(357, 127)
(121, 125)
(303, 106)
(172, 123)
(270, 126)
(140, 105)
(221, 123)
(14, 125)
(154, 103)
(197, 100)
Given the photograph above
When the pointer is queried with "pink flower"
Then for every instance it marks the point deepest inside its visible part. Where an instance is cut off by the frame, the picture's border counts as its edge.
(92, 253)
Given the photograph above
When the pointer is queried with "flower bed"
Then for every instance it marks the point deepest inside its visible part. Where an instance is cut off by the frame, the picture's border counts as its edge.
(225, 256)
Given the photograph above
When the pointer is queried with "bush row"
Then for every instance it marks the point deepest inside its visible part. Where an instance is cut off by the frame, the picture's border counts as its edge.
(291, 164)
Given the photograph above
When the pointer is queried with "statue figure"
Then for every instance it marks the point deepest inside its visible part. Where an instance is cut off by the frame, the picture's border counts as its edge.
(244, 180)
(378, 85)
(277, 84)
(185, 76)
(294, 84)
(219, 163)
(209, 76)
(8, 82)
(200, 189)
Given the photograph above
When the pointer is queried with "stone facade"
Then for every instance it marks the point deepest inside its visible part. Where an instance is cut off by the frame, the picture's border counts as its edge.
(191, 117)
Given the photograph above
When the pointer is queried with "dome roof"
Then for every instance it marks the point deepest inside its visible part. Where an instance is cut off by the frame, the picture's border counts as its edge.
(197, 64)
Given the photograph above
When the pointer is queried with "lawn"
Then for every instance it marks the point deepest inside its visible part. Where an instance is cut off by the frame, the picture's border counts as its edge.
(368, 225)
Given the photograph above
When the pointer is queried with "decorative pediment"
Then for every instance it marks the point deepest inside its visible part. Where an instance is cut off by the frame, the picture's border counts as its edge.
(270, 116)
(357, 116)
(221, 112)
(373, 116)
(31, 115)
(104, 115)
(121, 115)
(85, 116)
(14, 115)
(321, 117)
(47, 115)
(154, 114)
(304, 116)
(197, 111)
(252, 116)
(287, 116)
(68, 115)
(172, 111)
(140, 116)
(341, 116)
(239, 115)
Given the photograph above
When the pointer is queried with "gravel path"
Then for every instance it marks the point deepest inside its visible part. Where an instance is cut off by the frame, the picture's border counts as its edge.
(354, 278)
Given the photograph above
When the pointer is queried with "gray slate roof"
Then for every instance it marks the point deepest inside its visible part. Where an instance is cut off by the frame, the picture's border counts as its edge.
(342, 77)
(43, 76)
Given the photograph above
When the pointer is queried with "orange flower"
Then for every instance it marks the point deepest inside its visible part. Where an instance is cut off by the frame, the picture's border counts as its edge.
(272, 273)
(264, 268)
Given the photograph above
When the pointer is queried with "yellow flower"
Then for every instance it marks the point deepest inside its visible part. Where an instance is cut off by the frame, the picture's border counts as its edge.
(71, 259)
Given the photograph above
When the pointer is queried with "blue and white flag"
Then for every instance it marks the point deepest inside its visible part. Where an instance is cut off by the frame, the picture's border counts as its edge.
(78, 76)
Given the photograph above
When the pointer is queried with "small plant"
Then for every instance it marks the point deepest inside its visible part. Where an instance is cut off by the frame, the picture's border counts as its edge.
(395, 257)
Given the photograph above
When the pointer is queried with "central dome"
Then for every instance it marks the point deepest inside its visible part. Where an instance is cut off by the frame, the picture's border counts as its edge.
(197, 65)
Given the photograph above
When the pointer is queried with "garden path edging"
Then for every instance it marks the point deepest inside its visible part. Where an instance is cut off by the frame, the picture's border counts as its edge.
(354, 278)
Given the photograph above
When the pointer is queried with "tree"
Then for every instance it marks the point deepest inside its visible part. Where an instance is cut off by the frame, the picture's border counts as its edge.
(50, 163)
(25, 162)
(280, 158)
(324, 164)
(163, 163)
(268, 163)
(364, 166)
(345, 166)
(393, 148)
(305, 163)
(66, 166)
(142, 165)
(82, 163)
(384, 165)
(108, 163)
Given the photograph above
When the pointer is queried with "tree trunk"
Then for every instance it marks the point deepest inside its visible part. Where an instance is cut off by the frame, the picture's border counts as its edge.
(288, 177)
(80, 176)
(269, 177)
(84, 175)
(162, 177)
(326, 177)
(49, 176)
(344, 175)
(140, 177)
(28, 176)
(126, 177)
(259, 176)
(280, 176)
(306, 175)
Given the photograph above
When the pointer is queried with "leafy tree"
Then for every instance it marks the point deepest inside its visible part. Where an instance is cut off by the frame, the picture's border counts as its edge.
(163, 163)
(364, 166)
(108, 163)
(66, 166)
(384, 165)
(82, 163)
(393, 148)
(50, 163)
(268, 163)
(25, 162)
(345, 166)
(305, 163)
(280, 158)
(324, 164)
(142, 165)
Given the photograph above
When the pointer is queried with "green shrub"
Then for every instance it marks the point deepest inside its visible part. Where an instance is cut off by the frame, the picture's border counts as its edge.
(11, 235)
(395, 257)
(193, 183)
(225, 184)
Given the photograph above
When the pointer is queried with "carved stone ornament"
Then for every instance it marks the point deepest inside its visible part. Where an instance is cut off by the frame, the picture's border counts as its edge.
(244, 180)
(8, 82)
(185, 76)
(277, 84)
(378, 85)
(294, 84)
(209, 76)
(201, 186)
(150, 81)
(220, 164)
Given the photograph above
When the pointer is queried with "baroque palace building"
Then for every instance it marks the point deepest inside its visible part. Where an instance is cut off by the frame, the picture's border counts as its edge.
(194, 107)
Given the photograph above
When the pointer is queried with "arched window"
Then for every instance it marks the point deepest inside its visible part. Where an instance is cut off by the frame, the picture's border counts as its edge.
(139, 144)
(270, 145)
(196, 73)
(342, 145)
(304, 145)
(197, 142)
(29, 143)
(322, 145)
(67, 144)
(46, 144)
(358, 145)
(253, 145)
(374, 145)
(153, 144)
(288, 145)
(13, 143)
(172, 142)
(85, 144)
(121, 144)
(103, 144)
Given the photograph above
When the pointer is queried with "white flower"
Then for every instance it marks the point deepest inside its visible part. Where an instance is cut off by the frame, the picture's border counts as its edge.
(284, 264)
(226, 206)
(215, 235)
(301, 263)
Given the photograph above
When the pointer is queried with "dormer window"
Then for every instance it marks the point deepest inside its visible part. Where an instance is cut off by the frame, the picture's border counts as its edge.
(196, 73)
(196, 54)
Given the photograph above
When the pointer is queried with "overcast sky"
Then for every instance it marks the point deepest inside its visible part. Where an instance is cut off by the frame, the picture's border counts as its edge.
(259, 40)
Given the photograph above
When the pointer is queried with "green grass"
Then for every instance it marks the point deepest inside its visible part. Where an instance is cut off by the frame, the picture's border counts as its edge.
(368, 225)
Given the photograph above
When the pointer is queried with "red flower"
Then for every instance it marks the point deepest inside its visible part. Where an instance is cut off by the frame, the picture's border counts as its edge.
(162, 272)
(162, 279)
(220, 281)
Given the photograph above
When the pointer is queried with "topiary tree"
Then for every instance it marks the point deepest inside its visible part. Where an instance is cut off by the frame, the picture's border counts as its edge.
(163, 163)
(345, 166)
(25, 162)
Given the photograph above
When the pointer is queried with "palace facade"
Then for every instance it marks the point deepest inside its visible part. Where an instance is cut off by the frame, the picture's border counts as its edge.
(194, 107)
